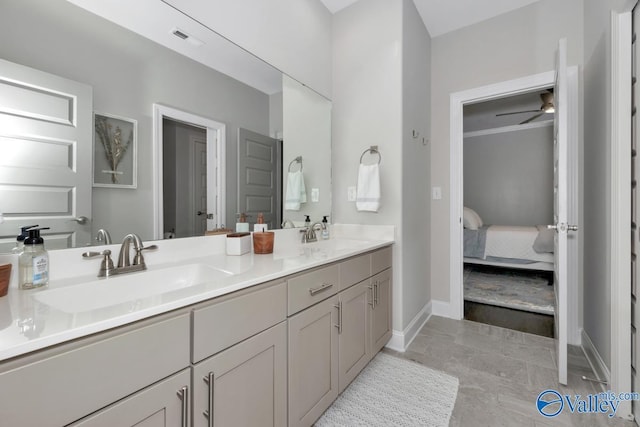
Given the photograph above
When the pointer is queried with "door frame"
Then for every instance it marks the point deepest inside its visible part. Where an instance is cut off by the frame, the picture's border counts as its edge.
(620, 206)
(501, 90)
(216, 131)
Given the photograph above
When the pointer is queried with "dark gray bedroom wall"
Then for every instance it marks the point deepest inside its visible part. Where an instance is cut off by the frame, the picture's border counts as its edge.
(508, 177)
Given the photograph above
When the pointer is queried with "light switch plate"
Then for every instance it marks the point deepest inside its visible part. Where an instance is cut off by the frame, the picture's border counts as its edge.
(436, 193)
(315, 194)
(351, 194)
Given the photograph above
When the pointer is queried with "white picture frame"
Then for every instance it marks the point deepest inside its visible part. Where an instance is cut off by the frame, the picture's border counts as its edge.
(119, 168)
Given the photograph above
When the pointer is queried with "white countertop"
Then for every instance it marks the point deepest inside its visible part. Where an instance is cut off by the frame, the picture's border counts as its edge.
(34, 319)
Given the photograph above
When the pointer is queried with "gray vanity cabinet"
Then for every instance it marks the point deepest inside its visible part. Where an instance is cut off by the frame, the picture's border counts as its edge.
(313, 362)
(353, 334)
(65, 383)
(381, 310)
(165, 404)
(245, 385)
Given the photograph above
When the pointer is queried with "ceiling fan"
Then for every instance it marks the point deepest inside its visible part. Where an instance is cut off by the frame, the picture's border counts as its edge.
(547, 107)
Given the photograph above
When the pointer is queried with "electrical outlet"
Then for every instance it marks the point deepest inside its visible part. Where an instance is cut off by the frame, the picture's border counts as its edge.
(315, 194)
(351, 194)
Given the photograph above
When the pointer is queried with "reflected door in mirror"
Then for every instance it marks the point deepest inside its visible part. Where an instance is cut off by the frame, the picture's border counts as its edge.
(45, 155)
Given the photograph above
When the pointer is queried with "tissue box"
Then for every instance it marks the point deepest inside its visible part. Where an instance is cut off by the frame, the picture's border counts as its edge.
(238, 243)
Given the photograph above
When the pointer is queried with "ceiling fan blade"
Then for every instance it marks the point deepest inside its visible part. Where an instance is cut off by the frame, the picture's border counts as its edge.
(517, 112)
(531, 118)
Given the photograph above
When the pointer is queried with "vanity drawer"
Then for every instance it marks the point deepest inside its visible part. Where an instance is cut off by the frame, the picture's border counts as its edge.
(236, 318)
(354, 270)
(310, 288)
(73, 380)
(380, 260)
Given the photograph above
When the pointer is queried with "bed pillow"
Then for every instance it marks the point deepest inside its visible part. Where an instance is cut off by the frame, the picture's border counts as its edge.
(470, 219)
(544, 240)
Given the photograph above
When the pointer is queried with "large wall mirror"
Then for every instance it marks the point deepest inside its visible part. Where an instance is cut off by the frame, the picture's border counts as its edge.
(163, 59)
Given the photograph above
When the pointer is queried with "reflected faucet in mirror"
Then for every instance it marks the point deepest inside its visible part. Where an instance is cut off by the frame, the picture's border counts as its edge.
(103, 237)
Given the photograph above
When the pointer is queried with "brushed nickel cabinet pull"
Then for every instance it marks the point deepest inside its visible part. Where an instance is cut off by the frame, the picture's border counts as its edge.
(339, 325)
(183, 394)
(375, 293)
(320, 288)
(209, 379)
(372, 303)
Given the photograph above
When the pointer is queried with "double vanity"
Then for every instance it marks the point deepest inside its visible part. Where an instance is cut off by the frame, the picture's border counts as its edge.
(197, 341)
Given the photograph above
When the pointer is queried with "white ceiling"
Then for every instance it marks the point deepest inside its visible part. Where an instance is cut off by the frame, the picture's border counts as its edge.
(443, 16)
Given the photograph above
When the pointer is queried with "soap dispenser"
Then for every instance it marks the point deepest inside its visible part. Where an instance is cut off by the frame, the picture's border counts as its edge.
(307, 221)
(260, 226)
(325, 228)
(24, 233)
(242, 226)
(33, 263)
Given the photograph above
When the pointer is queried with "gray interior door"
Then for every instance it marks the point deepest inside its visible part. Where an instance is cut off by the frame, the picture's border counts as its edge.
(260, 177)
(46, 137)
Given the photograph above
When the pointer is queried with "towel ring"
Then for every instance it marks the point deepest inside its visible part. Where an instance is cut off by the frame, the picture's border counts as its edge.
(372, 149)
(296, 160)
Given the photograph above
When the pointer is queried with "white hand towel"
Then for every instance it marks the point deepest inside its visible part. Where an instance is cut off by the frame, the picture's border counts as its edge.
(296, 192)
(368, 190)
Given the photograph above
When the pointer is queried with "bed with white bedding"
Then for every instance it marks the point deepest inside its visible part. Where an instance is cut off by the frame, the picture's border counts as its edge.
(521, 247)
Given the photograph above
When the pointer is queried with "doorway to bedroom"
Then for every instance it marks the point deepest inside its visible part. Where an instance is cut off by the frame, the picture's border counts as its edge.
(508, 201)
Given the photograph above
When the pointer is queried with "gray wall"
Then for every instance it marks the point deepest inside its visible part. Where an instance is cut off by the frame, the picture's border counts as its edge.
(508, 176)
(381, 87)
(367, 110)
(597, 143)
(416, 207)
(128, 74)
(516, 44)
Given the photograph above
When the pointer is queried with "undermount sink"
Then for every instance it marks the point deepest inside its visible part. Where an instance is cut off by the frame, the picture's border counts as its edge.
(115, 290)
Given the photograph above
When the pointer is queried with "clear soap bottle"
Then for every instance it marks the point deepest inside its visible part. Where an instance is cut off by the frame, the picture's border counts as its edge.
(33, 263)
(325, 228)
(24, 233)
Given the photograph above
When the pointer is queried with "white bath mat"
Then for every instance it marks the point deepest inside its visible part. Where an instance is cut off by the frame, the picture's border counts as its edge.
(392, 391)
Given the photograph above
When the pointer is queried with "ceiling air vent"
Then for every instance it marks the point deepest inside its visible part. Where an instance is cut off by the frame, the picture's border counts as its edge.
(180, 34)
(186, 36)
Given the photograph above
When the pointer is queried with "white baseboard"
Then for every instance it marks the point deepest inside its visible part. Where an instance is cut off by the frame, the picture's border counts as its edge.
(400, 340)
(598, 366)
(441, 308)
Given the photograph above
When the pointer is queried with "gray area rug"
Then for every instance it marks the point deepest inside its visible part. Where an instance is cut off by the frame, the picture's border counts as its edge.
(511, 288)
(394, 392)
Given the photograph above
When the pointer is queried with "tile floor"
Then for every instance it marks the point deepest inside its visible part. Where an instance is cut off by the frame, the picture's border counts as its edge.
(501, 373)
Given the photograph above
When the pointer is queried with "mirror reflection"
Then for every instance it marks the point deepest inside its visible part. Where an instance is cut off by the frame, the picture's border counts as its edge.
(127, 74)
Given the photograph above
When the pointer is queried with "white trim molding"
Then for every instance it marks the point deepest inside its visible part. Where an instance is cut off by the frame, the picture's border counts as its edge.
(512, 128)
(400, 341)
(216, 137)
(620, 207)
(596, 362)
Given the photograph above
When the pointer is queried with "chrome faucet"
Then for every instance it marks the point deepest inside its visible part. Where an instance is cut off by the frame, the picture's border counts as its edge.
(309, 233)
(125, 265)
(103, 237)
(287, 221)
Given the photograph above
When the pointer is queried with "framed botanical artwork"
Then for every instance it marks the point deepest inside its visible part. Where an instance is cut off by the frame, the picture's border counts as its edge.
(115, 146)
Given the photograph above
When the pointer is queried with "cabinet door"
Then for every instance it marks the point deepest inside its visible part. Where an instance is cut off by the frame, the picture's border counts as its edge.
(161, 405)
(313, 362)
(381, 310)
(353, 333)
(245, 385)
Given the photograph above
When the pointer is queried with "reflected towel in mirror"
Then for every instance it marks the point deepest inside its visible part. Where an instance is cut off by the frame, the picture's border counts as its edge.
(368, 190)
(296, 191)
